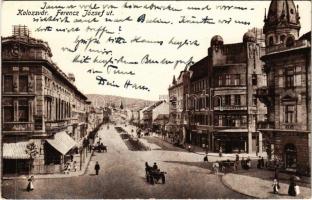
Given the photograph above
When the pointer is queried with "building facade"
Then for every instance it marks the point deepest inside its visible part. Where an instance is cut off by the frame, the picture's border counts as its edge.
(287, 95)
(40, 106)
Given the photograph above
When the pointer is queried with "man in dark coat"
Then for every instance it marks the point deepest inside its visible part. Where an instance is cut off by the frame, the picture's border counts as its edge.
(155, 166)
(97, 168)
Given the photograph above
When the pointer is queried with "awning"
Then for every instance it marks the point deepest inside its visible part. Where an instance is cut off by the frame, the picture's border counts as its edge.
(15, 150)
(232, 131)
(62, 142)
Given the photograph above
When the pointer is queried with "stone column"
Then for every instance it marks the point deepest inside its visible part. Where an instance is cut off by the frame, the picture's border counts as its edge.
(260, 143)
(249, 142)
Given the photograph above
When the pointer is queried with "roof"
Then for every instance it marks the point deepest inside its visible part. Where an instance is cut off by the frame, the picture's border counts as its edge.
(62, 142)
(154, 105)
(306, 36)
(162, 117)
(15, 150)
(200, 69)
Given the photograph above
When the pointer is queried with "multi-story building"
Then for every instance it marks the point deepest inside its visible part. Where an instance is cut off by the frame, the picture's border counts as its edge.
(40, 105)
(199, 104)
(178, 116)
(235, 72)
(287, 95)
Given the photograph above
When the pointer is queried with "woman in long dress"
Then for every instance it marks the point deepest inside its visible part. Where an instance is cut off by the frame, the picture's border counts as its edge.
(30, 185)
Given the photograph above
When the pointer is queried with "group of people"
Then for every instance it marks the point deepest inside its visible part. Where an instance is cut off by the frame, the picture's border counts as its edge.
(68, 167)
(293, 188)
(147, 167)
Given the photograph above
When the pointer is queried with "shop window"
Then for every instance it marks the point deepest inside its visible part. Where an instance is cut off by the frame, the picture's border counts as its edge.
(8, 83)
(23, 83)
(290, 156)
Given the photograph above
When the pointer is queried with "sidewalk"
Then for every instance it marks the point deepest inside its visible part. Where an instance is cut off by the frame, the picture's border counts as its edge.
(258, 183)
(72, 173)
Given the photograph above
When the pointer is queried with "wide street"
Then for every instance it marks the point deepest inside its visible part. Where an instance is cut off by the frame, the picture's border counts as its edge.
(122, 175)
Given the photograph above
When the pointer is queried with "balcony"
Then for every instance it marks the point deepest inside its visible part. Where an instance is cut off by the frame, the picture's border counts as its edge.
(221, 108)
(266, 125)
(18, 126)
(282, 47)
(56, 125)
(265, 95)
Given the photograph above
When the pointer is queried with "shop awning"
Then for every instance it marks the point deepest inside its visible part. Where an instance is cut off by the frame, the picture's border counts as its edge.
(15, 150)
(233, 131)
(62, 142)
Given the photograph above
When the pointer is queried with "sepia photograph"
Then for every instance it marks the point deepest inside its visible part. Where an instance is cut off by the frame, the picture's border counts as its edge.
(155, 99)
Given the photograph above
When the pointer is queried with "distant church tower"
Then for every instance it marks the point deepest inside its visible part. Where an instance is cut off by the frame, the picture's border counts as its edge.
(282, 23)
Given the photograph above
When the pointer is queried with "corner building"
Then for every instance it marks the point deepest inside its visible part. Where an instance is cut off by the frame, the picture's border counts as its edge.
(287, 95)
(40, 105)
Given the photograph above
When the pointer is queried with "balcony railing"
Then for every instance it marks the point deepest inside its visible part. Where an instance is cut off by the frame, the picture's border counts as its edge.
(283, 47)
(56, 125)
(266, 125)
(18, 126)
(221, 108)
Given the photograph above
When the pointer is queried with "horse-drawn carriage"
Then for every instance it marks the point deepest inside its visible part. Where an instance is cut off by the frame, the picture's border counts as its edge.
(155, 175)
(100, 148)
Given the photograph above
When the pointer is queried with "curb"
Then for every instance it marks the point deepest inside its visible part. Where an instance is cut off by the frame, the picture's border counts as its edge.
(230, 187)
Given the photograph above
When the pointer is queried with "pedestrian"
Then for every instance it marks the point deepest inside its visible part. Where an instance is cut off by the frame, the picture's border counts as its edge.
(189, 148)
(206, 158)
(243, 163)
(259, 163)
(155, 166)
(215, 167)
(75, 166)
(291, 188)
(275, 186)
(71, 157)
(276, 172)
(262, 162)
(68, 168)
(97, 168)
(248, 163)
(30, 185)
(220, 152)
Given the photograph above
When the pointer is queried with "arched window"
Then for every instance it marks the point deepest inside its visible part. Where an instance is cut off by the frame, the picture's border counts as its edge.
(290, 41)
(282, 39)
(290, 152)
(271, 41)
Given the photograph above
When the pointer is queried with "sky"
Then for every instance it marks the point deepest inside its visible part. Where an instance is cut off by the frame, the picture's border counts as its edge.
(156, 77)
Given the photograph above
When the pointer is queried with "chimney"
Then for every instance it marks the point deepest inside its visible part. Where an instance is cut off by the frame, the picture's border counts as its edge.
(71, 77)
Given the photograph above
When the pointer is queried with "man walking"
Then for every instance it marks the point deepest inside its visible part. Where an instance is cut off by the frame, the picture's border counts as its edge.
(97, 168)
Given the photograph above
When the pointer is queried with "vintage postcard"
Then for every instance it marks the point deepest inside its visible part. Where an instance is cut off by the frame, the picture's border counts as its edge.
(156, 99)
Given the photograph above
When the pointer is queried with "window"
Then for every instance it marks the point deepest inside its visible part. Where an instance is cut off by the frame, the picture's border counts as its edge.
(282, 38)
(289, 78)
(236, 79)
(237, 100)
(289, 114)
(254, 100)
(220, 80)
(23, 110)
(8, 83)
(254, 79)
(227, 79)
(227, 100)
(207, 101)
(23, 83)
(8, 110)
(271, 40)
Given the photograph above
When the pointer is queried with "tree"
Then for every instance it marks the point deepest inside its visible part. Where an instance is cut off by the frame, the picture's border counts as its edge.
(32, 151)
